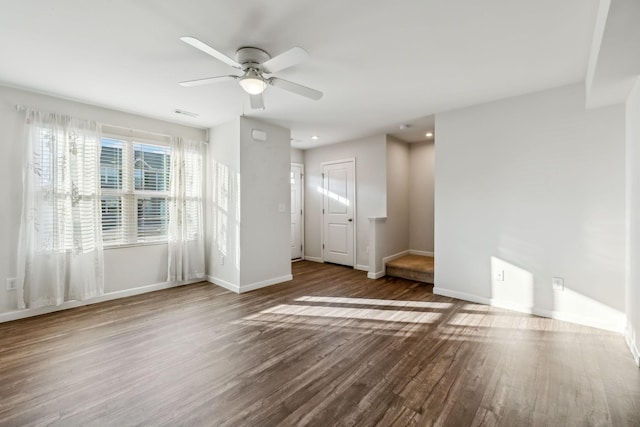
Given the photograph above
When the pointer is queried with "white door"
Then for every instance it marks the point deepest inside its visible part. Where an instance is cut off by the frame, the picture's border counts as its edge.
(296, 211)
(338, 212)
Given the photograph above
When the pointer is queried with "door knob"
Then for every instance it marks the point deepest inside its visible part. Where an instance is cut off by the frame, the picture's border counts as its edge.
(350, 219)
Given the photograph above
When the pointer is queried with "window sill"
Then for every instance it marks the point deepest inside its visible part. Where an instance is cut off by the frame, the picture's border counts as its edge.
(134, 245)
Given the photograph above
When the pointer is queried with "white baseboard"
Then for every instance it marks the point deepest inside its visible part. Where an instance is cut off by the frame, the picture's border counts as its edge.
(375, 275)
(407, 252)
(223, 284)
(461, 295)
(314, 259)
(508, 305)
(421, 253)
(362, 267)
(250, 287)
(385, 260)
(394, 256)
(616, 325)
(29, 312)
(265, 283)
(629, 335)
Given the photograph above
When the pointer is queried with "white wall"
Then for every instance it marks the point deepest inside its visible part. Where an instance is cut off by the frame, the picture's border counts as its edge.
(421, 196)
(297, 155)
(534, 186)
(633, 220)
(265, 231)
(125, 268)
(371, 182)
(396, 228)
(248, 237)
(222, 216)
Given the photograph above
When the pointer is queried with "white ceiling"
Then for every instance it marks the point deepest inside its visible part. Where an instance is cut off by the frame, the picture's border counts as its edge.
(380, 63)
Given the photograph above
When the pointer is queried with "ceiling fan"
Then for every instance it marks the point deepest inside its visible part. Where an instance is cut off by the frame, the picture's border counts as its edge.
(255, 63)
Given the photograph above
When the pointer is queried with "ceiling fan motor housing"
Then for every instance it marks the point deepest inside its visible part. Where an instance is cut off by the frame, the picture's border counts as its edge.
(251, 57)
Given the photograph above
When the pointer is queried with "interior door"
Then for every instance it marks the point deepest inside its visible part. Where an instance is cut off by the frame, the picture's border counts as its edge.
(296, 211)
(338, 212)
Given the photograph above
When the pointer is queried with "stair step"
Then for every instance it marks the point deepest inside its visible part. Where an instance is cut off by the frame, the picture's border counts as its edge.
(412, 267)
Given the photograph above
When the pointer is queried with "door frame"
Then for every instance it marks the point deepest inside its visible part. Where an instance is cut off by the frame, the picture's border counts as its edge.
(301, 165)
(355, 212)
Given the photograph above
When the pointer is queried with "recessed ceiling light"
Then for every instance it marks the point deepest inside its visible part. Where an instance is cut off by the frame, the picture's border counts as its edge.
(315, 137)
(429, 134)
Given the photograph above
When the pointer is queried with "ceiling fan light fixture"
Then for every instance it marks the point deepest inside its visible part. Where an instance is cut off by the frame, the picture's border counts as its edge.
(252, 83)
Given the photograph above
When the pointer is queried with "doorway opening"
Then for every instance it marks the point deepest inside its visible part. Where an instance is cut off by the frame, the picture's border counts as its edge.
(297, 211)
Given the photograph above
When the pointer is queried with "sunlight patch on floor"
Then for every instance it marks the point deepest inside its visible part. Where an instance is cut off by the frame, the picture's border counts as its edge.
(376, 302)
(466, 319)
(351, 313)
(332, 325)
(476, 307)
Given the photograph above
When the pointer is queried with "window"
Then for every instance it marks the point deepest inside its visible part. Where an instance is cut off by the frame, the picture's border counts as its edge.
(134, 179)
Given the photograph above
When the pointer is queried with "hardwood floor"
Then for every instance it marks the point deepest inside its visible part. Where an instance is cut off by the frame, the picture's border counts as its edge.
(329, 348)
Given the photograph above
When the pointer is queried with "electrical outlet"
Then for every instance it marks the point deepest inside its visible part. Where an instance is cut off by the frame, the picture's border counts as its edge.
(222, 260)
(11, 283)
(557, 283)
(500, 275)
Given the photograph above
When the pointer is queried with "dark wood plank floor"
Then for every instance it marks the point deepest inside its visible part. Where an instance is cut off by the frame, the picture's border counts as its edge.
(329, 348)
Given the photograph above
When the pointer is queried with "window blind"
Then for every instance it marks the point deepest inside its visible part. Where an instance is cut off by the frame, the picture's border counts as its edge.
(134, 179)
(111, 182)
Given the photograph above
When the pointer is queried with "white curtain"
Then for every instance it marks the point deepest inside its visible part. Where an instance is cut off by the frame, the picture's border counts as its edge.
(186, 236)
(60, 254)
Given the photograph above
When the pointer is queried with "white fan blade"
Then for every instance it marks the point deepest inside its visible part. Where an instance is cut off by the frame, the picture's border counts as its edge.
(210, 51)
(287, 59)
(206, 81)
(257, 101)
(296, 88)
